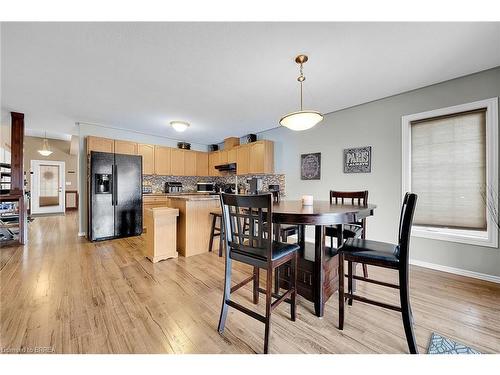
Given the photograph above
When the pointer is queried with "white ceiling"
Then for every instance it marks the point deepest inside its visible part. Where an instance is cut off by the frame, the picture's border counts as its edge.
(226, 79)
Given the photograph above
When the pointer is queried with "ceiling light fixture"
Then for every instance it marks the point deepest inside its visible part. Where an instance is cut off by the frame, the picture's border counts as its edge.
(179, 126)
(301, 120)
(45, 151)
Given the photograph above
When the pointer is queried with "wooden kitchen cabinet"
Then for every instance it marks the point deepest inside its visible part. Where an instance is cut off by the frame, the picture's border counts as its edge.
(177, 162)
(201, 163)
(213, 160)
(125, 147)
(243, 160)
(189, 163)
(232, 155)
(261, 157)
(162, 160)
(148, 158)
(100, 144)
(222, 157)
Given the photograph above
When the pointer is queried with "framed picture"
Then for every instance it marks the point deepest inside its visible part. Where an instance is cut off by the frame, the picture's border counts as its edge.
(310, 166)
(358, 160)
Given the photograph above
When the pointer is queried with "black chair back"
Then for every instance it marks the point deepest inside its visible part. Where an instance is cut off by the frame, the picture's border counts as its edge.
(405, 223)
(351, 197)
(252, 239)
(356, 197)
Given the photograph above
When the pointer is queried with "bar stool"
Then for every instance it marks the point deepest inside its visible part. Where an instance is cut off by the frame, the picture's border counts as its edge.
(216, 231)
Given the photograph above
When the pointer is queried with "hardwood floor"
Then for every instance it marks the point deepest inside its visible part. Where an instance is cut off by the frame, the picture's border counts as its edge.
(63, 292)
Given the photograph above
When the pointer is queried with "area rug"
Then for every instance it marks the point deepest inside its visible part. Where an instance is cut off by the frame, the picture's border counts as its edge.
(444, 345)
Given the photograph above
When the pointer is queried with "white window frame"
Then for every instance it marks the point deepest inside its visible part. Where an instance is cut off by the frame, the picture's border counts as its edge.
(488, 238)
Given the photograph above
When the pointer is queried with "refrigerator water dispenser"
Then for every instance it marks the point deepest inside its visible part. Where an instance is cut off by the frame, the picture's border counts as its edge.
(102, 183)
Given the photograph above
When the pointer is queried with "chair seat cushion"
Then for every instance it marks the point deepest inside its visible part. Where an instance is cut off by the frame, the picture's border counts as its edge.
(350, 231)
(369, 250)
(279, 250)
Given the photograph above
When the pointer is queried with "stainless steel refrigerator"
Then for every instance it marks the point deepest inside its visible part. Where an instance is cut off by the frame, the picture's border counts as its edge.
(115, 196)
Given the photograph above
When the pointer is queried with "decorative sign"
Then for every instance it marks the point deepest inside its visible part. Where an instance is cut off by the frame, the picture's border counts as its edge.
(310, 166)
(358, 160)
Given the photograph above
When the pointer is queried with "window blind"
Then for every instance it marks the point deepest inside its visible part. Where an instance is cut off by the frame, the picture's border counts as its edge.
(448, 170)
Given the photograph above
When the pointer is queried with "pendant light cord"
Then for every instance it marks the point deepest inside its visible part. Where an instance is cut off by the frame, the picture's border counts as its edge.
(301, 79)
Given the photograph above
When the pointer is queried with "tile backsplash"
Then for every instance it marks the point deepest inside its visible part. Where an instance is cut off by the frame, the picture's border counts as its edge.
(189, 182)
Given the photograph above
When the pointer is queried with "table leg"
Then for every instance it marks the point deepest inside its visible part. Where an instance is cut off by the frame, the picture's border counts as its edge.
(319, 248)
(301, 238)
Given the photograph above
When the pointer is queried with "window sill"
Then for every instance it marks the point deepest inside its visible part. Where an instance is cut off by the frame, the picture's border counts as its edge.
(469, 237)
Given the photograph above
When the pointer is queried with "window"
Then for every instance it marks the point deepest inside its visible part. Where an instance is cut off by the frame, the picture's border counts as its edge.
(450, 160)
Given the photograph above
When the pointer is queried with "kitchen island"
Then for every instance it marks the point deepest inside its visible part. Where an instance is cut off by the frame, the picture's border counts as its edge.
(194, 222)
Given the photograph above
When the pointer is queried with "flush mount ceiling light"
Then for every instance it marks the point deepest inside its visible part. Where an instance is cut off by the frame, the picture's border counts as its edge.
(45, 151)
(179, 126)
(301, 120)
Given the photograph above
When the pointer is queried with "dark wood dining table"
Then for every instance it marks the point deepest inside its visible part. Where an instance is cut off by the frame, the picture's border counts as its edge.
(317, 273)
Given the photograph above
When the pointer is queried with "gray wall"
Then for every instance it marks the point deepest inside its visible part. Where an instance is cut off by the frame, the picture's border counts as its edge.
(378, 124)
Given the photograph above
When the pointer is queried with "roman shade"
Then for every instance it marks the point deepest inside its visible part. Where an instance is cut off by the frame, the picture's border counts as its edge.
(448, 170)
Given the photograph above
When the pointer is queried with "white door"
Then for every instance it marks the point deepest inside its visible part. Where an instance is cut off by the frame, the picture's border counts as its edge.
(47, 187)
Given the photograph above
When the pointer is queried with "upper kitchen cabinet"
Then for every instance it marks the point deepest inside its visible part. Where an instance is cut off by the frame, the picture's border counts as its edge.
(148, 158)
(189, 163)
(162, 160)
(100, 144)
(243, 160)
(125, 147)
(213, 160)
(177, 162)
(232, 155)
(223, 157)
(261, 157)
(201, 163)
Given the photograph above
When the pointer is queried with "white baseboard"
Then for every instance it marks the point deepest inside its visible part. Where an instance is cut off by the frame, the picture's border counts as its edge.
(456, 271)
(81, 234)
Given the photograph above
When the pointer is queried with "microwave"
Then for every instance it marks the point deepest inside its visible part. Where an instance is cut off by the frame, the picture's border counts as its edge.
(205, 187)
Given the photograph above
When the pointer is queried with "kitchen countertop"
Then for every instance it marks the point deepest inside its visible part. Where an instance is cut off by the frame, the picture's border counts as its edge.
(174, 194)
(195, 197)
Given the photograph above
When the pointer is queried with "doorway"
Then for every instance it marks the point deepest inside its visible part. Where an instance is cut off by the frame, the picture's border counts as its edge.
(47, 187)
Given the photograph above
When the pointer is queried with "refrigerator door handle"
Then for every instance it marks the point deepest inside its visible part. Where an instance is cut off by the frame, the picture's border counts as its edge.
(116, 185)
(113, 185)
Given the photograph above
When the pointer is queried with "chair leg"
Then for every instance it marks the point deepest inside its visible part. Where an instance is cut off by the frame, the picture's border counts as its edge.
(341, 291)
(211, 242)
(365, 270)
(226, 296)
(267, 333)
(221, 236)
(256, 275)
(406, 312)
(277, 280)
(349, 281)
(293, 285)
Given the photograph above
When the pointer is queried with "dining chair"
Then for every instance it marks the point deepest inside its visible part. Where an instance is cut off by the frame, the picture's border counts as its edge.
(352, 230)
(385, 255)
(256, 248)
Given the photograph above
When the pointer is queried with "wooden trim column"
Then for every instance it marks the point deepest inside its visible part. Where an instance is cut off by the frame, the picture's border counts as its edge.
(16, 158)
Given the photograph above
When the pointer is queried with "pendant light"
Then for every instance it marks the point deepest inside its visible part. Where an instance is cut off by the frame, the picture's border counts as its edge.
(45, 151)
(301, 120)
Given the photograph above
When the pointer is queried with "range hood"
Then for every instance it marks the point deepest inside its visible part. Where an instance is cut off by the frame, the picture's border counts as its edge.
(231, 167)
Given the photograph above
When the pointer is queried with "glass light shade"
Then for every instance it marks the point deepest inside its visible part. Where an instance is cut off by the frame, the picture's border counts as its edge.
(179, 126)
(301, 120)
(45, 148)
